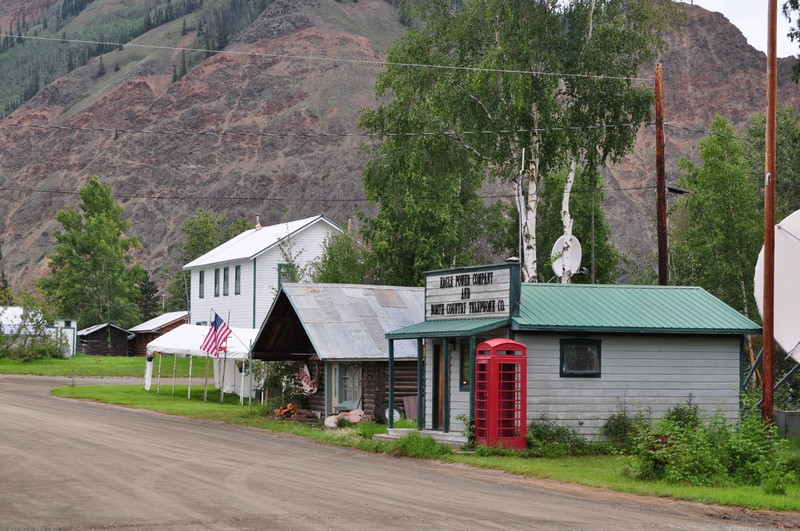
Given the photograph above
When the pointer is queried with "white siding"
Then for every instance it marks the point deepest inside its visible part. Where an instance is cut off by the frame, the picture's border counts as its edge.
(238, 310)
(650, 373)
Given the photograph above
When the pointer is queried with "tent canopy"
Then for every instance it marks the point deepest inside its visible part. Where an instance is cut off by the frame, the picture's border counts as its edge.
(186, 340)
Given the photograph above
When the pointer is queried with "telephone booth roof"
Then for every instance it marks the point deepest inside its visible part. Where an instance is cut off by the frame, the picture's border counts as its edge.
(501, 343)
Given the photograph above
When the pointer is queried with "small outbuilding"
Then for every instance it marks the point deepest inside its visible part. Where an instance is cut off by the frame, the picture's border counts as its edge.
(339, 330)
(149, 330)
(591, 349)
(103, 339)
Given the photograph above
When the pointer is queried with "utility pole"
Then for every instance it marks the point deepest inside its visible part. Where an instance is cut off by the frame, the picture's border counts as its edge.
(768, 360)
(661, 183)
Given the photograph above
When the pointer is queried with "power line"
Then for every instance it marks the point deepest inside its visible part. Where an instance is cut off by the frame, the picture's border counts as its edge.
(117, 130)
(297, 199)
(328, 59)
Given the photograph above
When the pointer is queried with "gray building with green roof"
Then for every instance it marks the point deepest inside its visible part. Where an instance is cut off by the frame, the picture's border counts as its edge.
(591, 349)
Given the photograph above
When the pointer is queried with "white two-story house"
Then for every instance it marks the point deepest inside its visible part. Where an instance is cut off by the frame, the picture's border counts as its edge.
(239, 279)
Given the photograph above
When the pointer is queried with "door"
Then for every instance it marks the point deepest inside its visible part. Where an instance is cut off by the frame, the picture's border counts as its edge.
(346, 380)
(437, 421)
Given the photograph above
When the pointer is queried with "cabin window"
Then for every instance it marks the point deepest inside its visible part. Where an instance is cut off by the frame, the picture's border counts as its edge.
(580, 358)
(225, 277)
(201, 292)
(237, 280)
(216, 282)
(464, 371)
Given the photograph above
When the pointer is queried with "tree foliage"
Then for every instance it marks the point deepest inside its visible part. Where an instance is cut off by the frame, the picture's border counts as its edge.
(529, 69)
(343, 261)
(202, 232)
(718, 225)
(91, 276)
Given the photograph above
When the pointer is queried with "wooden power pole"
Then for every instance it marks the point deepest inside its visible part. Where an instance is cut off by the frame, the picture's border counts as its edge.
(768, 360)
(661, 183)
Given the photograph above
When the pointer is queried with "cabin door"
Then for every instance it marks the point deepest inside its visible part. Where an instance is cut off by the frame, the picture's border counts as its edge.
(437, 422)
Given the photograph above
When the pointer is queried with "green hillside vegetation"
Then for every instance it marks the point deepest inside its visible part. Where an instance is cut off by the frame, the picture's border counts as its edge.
(29, 64)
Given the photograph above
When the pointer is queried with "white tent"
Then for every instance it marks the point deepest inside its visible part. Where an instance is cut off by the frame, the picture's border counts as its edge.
(186, 340)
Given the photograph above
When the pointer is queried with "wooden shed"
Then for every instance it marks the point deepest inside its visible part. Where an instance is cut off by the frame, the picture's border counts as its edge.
(339, 331)
(103, 339)
(147, 331)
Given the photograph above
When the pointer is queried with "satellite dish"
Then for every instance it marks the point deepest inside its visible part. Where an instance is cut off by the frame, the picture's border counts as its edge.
(787, 284)
(574, 259)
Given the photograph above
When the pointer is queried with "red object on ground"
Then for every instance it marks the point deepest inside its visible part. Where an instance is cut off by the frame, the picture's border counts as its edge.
(501, 384)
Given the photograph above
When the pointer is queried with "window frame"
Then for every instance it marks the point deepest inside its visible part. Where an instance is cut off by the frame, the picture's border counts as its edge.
(225, 281)
(237, 280)
(216, 282)
(201, 290)
(563, 372)
(464, 382)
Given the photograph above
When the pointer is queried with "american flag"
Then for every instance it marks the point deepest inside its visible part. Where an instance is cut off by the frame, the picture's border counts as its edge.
(217, 335)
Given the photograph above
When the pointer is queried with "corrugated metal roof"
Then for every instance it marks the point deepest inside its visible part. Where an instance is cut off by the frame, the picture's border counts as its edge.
(253, 242)
(157, 322)
(448, 328)
(349, 321)
(623, 308)
(95, 328)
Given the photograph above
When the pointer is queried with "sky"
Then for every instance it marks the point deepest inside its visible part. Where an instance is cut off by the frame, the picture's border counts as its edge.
(750, 16)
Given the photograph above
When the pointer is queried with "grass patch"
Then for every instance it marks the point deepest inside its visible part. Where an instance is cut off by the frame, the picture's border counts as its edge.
(102, 366)
(604, 471)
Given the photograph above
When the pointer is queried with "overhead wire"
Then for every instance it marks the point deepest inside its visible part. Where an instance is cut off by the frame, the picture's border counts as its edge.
(328, 59)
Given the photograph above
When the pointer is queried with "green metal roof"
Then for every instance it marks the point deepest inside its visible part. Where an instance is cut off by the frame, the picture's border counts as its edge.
(622, 308)
(447, 328)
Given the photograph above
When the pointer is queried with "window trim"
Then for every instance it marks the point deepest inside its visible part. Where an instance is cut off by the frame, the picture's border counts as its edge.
(201, 291)
(216, 282)
(464, 383)
(237, 280)
(225, 281)
(563, 373)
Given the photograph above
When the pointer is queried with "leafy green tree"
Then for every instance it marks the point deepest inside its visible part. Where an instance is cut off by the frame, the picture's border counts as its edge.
(6, 295)
(343, 261)
(91, 275)
(718, 225)
(787, 163)
(202, 232)
(555, 77)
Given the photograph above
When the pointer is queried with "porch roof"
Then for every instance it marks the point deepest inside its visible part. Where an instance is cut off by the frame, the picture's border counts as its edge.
(448, 328)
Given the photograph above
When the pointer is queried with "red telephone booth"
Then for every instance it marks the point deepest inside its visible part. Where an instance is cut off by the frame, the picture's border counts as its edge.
(501, 385)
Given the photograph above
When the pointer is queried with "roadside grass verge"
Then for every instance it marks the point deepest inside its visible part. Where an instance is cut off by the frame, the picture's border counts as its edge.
(102, 366)
(604, 471)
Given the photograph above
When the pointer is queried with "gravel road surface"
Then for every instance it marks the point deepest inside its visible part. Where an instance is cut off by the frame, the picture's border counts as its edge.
(70, 464)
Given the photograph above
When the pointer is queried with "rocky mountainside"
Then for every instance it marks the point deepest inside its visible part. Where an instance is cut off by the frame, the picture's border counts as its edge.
(238, 133)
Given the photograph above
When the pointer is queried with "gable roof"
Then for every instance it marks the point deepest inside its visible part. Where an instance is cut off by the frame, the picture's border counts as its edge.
(625, 308)
(340, 321)
(253, 242)
(156, 323)
(95, 328)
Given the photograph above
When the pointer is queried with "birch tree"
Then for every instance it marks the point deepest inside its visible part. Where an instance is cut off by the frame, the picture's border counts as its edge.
(553, 78)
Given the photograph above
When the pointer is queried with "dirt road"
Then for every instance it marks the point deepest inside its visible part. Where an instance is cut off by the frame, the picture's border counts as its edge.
(67, 464)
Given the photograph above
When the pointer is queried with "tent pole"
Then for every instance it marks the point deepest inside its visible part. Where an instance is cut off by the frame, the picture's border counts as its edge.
(241, 388)
(250, 391)
(222, 378)
(174, 370)
(158, 379)
(189, 391)
(205, 385)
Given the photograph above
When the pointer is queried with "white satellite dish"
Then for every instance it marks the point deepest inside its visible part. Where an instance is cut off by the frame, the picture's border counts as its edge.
(574, 258)
(787, 284)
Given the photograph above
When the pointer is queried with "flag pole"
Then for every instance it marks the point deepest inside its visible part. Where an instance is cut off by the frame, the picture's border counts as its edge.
(222, 379)
(158, 379)
(205, 384)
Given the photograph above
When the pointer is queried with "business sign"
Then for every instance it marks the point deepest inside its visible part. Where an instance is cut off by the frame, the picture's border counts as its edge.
(469, 293)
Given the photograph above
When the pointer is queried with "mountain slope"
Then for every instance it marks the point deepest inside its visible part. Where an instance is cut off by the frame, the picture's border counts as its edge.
(238, 132)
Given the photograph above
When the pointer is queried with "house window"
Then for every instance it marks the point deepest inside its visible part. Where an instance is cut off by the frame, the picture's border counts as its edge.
(201, 292)
(216, 282)
(237, 280)
(580, 358)
(464, 371)
(225, 277)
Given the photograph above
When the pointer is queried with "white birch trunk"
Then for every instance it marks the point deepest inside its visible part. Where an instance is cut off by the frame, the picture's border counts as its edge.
(566, 220)
(528, 215)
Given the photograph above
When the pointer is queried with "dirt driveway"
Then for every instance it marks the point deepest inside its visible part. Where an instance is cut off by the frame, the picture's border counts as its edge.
(67, 464)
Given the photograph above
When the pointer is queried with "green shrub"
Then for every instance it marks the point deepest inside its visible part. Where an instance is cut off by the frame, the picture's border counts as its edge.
(548, 439)
(367, 429)
(686, 415)
(417, 445)
(620, 429)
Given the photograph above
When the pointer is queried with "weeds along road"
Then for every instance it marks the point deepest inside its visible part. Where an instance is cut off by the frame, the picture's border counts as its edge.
(67, 464)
